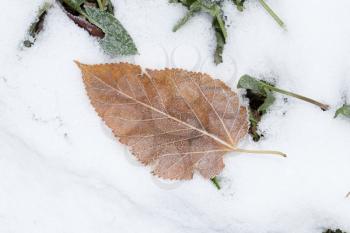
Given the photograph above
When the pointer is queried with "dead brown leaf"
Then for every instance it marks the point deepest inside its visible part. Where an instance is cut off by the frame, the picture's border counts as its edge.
(174, 120)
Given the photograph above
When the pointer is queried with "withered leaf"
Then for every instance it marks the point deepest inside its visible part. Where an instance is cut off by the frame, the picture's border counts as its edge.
(176, 121)
(37, 25)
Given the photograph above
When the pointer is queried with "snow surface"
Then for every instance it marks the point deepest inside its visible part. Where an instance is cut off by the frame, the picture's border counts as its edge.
(62, 171)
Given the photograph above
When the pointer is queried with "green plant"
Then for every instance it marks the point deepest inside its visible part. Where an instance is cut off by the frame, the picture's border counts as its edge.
(37, 25)
(96, 17)
(344, 111)
(260, 95)
(214, 8)
(88, 14)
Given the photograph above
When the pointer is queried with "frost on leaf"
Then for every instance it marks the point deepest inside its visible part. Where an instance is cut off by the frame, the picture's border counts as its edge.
(344, 111)
(37, 25)
(117, 40)
(176, 121)
(100, 22)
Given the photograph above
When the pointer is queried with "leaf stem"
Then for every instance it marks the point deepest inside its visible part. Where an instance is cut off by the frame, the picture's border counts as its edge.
(272, 152)
(324, 107)
(222, 26)
(272, 13)
(100, 5)
(215, 181)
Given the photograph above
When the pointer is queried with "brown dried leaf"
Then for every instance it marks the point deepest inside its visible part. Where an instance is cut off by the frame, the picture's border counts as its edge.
(174, 120)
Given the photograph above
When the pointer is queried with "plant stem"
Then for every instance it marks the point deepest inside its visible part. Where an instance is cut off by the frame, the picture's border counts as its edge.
(272, 13)
(100, 5)
(222, 26)
(324, 107)
(215, 182)
(272, 152)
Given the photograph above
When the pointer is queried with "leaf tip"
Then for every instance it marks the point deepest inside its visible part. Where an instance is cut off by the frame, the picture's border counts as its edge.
(79, 64)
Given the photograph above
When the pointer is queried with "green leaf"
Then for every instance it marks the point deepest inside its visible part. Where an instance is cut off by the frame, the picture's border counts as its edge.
(117, 40)
(37, 25)
(220, 42)
(109, 7)
(214, 9)
(74, 4)
(239, 4)
(344, 110)
(260, 99)
(248, 82)
(261, 87)
(254, 119)
(186, 3)
(269, 100)
(332, 231)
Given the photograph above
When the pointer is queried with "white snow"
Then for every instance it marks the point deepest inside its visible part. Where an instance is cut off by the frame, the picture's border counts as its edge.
(62, 171)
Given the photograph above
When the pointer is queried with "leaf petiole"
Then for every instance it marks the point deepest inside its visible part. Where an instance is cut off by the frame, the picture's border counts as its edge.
(324, 107)
(100, 5)
(272, 152)
(272, 13)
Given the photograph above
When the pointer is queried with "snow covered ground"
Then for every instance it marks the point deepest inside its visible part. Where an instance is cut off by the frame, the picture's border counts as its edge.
(62, 171)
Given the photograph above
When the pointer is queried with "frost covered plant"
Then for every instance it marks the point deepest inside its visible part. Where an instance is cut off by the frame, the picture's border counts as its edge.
(344, 111)
(214, 8)
(260, 95)
(97, 18)
(37, 25)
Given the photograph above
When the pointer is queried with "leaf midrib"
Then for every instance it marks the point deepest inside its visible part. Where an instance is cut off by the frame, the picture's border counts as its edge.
(165, 114)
